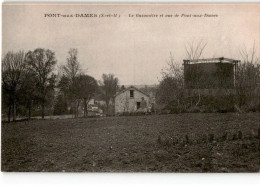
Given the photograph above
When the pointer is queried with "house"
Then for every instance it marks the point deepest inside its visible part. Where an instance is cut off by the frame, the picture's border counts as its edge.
(131, 100)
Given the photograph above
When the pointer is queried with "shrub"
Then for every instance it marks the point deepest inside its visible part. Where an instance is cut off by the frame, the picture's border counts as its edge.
(167, 143)
(187, 139)
(224, 137)
(159, 140)
(234, 137)
(204, 138)
(211, 138)
(240, 135)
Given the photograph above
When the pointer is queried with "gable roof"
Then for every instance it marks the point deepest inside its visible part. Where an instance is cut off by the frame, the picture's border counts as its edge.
(129, 88)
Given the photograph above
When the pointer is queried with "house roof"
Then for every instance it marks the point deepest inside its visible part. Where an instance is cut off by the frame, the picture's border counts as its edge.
(211, 60)
(129, 88)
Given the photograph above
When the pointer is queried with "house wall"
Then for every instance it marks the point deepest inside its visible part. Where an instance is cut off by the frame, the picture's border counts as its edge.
(123, 102)
(91, 101)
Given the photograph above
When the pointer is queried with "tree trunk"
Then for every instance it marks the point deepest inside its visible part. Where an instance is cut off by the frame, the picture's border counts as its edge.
(198, 100)
(43, 109)
(75, 110)
(9, 113)
(259, 135)
(29, 110)
(85, 108)
(114, 107)
(14, 111)
(84, 112)
(107, 105)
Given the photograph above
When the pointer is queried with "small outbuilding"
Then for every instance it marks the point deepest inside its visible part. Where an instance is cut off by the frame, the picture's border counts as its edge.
(131, 100)
(210, 73)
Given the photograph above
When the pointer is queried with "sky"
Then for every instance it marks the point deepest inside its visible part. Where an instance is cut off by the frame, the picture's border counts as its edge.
(134, 49)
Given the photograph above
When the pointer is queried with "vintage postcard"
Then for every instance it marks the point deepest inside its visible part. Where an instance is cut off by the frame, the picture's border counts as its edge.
(130, 87)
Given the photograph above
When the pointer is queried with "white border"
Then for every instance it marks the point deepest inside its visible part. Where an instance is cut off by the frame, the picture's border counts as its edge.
(127, 179)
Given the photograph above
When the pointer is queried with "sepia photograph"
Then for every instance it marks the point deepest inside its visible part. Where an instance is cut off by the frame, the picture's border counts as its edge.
(130, 87)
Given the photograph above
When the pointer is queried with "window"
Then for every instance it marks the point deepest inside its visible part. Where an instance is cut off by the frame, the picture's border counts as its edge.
(131, 93)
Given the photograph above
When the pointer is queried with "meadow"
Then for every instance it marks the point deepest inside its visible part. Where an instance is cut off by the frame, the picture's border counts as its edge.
(191, 142)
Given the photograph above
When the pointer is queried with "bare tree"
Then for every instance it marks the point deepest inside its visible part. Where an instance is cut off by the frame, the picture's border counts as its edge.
(248, 78)
(68, 83)
(76, 86)
(28, 93)
(171, 88)
(109, 86)
(13, 70)
(174, 69)
(72, 67)
(250, 55)
(172, 84)
(194, 49)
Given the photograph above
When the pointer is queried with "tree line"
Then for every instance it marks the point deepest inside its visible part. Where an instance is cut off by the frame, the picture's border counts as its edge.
(31, 82)
(32, 85)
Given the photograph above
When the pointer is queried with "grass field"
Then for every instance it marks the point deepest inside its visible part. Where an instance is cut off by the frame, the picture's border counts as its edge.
(158, 143)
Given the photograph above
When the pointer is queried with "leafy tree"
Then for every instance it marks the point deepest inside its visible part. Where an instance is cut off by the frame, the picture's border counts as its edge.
(60, 106)
(42, 62)
(82, 90)
(87, 87)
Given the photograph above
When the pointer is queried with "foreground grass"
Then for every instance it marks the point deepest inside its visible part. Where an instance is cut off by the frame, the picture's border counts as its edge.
(134, 144)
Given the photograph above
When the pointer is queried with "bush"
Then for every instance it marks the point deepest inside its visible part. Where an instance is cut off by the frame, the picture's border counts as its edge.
(240, 135)
(224, 137)
(204, 104)
(211, 138)
(194, 109)
(159, 140)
